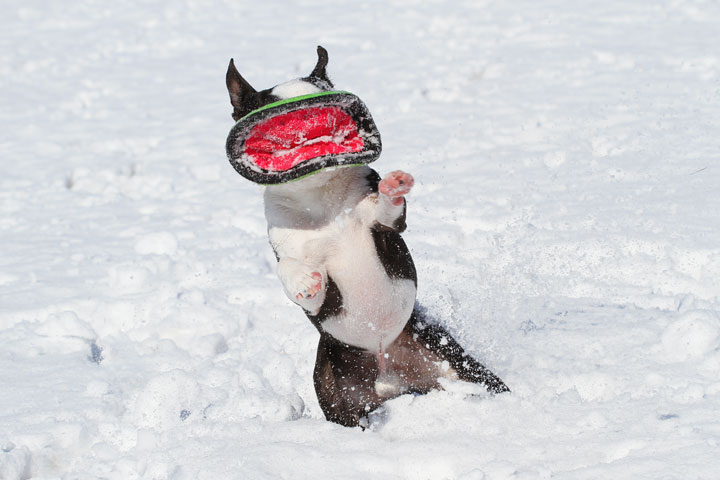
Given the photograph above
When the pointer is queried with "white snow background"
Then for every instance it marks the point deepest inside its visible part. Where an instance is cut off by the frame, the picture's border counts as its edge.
(565, 224)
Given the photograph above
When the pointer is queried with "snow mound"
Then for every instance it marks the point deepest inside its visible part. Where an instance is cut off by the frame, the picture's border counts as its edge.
(159, 243)
(692, 336)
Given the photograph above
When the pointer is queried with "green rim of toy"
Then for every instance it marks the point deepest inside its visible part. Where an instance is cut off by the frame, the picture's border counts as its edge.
(324, 169)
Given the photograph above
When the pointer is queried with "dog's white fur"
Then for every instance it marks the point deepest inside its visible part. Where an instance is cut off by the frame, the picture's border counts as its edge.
(294, 88)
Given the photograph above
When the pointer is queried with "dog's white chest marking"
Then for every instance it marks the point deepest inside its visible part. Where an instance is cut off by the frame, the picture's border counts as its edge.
(375, 306)
(326, 225)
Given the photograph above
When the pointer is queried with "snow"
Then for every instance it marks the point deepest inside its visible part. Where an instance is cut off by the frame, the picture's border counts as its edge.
(564, 223)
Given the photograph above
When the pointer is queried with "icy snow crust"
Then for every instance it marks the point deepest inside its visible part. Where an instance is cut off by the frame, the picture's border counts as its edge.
(564, 223)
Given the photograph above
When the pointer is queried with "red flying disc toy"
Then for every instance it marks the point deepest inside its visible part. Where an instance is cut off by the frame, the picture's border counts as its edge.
(299, 136)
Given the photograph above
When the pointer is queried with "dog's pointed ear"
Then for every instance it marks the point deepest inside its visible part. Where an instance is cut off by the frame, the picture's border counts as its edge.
(319, 71)
(240, 90)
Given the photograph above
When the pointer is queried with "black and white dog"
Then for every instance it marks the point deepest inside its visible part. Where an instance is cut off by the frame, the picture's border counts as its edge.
(336, 236)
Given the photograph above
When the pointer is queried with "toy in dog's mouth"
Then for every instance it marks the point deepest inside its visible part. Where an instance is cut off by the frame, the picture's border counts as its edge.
(299, 136)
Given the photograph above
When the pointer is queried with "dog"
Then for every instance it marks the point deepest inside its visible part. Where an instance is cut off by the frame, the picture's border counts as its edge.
(340, 255)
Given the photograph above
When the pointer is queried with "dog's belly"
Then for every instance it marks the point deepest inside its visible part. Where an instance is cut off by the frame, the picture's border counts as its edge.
(375, 306)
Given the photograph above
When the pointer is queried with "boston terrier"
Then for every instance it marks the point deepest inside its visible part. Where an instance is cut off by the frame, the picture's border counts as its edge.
(341, 258)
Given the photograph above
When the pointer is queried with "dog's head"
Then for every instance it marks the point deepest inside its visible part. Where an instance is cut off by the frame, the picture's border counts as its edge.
(297, 128)
(244, 98)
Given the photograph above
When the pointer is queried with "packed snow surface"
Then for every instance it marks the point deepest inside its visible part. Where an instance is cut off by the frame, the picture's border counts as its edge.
(565, 224)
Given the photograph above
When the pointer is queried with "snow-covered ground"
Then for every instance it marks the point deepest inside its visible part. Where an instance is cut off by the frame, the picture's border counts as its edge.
(565, 224)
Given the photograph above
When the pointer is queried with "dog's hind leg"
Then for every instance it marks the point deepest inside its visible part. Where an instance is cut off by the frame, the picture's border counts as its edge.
(348, 380)
(345, 381)
(437, 340)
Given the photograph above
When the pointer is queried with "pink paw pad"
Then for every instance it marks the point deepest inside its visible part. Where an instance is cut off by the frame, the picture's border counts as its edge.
(395, 185)
(313, 290)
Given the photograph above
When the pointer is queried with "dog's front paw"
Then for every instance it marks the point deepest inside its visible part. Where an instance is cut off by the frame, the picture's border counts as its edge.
(304, 284)
(395, 185)
(310, 286)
